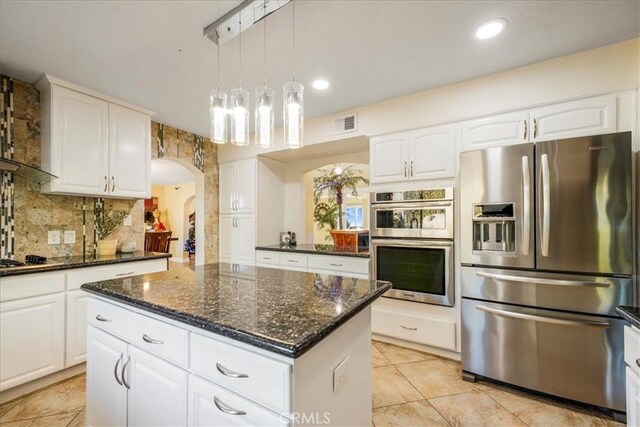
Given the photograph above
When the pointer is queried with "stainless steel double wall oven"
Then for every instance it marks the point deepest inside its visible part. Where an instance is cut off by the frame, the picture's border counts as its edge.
(412, 244)
(547, 255)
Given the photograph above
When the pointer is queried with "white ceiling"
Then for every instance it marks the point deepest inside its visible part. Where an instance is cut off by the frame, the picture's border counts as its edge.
(368, 50)
(167, 172)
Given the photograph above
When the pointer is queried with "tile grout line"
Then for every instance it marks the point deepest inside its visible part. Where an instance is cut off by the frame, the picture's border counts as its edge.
(503, 407)
(74, 418)
(39, 416)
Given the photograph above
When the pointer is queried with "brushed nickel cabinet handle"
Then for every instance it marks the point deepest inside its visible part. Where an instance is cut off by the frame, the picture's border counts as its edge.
(229, 373)
(226, 408)
(524, 137)
(408, 328)
(115, 369)
(125, 274)
(150, 340)
(106, 183)
(124, 374)
(113, 183)
(411, 168)
(335, 265)
(535, 128)
(292, 260)
(405, 169)
(638, 363)
(99, 318)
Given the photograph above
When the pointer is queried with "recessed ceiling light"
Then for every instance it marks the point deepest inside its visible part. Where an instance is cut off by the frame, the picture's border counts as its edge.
(320, 84)
(491, 28)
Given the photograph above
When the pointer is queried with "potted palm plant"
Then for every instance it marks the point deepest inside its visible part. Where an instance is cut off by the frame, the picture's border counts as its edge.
(334, 183)
(107, 220)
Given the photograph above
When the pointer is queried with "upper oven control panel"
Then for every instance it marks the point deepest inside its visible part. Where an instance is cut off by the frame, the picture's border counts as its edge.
(428, 195)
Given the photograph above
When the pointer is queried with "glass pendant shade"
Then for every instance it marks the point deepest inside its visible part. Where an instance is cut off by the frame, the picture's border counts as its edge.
(218, 116)
(239, 110)
(293, 114)
(264, 116)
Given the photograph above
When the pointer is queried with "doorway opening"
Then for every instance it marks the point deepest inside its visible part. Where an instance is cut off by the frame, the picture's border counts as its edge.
(174, 216)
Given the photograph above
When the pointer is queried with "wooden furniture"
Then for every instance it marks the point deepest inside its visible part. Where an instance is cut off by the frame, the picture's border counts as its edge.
(157, 241)
(96, 145)
(350, 240)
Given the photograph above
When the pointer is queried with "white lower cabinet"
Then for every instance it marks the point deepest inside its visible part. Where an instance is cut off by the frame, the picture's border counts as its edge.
(32, 337)
(76, 327)
(347, 266)
(237, 236)
(632, 360)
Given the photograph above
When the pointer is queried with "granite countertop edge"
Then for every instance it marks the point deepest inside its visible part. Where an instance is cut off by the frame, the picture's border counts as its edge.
(297, 250)
(263, 342)
(630, 314)
(89, 262)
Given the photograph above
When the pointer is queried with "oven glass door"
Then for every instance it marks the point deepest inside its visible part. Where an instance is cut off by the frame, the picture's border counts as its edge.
(417, 272)
(413, 220)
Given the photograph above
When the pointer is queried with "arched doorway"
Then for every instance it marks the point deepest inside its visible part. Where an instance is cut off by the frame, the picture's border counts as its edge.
(182, 181)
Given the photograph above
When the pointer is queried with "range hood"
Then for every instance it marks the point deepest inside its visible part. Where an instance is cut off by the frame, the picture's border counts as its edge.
(25, 171)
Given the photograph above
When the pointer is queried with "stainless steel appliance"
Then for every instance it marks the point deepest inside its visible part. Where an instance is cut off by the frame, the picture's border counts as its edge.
(547, 255)
(412, 244)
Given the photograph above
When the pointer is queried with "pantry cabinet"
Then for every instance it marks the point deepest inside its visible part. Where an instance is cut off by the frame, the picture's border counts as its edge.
(238, 187)
(94, 144)
(419, 155)
(237, 238)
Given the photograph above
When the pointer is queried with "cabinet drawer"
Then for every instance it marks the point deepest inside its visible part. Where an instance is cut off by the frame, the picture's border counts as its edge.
(161, 339)
(267, 257)
(433, 331)
(342, 265)
(632, 348)
(293, 261)
(109, 318)
(210, 405)
(78, 277)
(31, 285)
(259, 378)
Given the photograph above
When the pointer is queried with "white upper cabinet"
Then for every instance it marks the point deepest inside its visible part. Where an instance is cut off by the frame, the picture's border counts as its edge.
(130, 152)
(418, 155)
(238, 187)
(227, 177)
(95, 145)
(494, 131)
(589, 116)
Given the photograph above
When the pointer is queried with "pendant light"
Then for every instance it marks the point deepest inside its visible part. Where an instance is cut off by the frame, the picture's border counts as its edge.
(265, 99)
(240, 102)
(218, 112)
(293, 99)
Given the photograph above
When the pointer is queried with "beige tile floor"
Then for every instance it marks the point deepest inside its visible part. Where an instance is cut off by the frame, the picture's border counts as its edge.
(410, 388)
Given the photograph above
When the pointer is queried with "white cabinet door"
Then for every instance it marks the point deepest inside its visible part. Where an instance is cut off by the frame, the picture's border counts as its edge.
(79, 146)
(246, 238)
(157, 393)
(31, 338)
(432, 153)
(633, 398)
(130, 153)
(589, 116)
(389, 158)
(227, 181)
(210, 405)
(76, 327)
(245, 188)
(494, 131)
(227, 238)
(106, 393)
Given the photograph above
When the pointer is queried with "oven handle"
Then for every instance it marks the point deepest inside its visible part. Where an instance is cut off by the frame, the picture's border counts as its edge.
(541, 281)
(410, 205)
(542, 319)
(400, 243)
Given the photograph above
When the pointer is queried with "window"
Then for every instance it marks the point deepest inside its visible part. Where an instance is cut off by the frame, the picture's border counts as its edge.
(354, 217)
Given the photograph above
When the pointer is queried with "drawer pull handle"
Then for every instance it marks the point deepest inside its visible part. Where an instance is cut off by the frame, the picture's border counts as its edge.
(99, 318)
(150, 340)
(292, 260)
(115, 369)
(124, 368)
(226, 408)
(266, 257)
(408, 328)
(229, 373)
(638, 363)
(335, 265)
(125, 274)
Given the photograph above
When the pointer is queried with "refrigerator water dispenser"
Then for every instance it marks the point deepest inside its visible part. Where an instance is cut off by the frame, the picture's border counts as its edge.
(494, 227)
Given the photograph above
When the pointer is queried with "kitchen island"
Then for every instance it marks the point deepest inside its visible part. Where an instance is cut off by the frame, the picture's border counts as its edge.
(229, 345)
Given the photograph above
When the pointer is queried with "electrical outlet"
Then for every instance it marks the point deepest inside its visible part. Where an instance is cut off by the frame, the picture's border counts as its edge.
(53, 237)
(69, 236)
(127, 221)
(340, 374)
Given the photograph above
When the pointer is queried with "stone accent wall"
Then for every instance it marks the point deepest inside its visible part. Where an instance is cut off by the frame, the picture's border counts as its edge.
(36, 213)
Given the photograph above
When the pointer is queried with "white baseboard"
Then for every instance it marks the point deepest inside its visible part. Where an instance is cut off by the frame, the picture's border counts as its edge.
(34, 385)
(420, 347)
(179, 260)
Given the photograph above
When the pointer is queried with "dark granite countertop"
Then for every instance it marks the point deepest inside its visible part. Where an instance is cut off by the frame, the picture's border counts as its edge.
(306, 248)
(66, 263)
(630, 314)
(282, 311)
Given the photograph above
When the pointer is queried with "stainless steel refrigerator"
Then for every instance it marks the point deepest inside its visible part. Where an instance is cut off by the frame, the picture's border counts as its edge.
(547, 255)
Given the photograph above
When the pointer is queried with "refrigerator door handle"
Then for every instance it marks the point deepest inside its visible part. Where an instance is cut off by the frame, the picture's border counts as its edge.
(541, 281)
(546, 208)
(542, 319)
(526, 206)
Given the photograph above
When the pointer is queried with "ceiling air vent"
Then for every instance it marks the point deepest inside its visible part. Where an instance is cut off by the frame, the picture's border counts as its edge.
(345, 124)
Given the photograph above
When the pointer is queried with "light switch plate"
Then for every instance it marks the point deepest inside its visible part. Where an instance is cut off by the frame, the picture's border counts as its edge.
(340, 374)
(70, 236)
(53, 237)
(127, 221)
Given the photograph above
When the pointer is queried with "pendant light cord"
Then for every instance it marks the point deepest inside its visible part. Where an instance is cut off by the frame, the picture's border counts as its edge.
(218, 65)
(264, 24)
(293, 40)
(240, 48)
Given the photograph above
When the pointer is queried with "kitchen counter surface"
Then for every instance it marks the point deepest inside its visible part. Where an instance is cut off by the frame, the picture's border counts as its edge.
(65, 263)
(285, 312)
(630, 314)
(305, 248)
